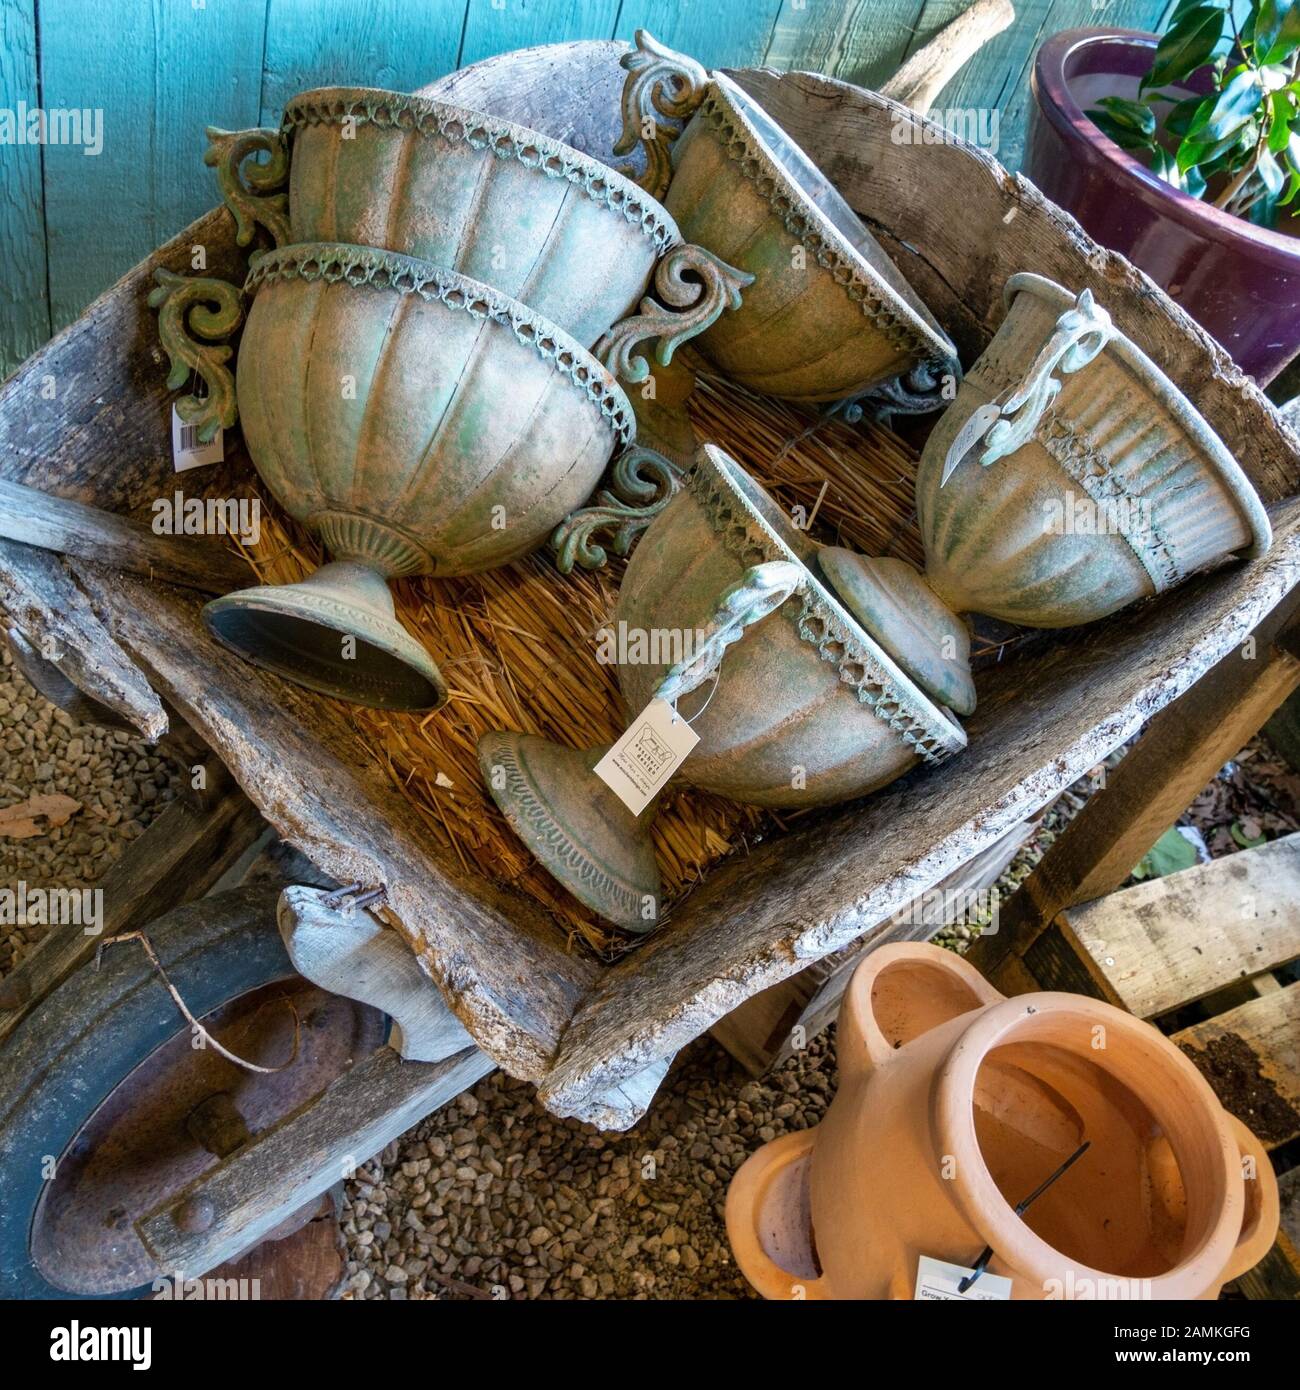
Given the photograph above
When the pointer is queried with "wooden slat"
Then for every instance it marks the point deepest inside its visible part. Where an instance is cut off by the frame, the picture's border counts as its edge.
(358, 43)
(24, 301)
(997, 78)
(159, 74)
(1255, 1047)
(715, 35)
(308, 1151)
(1169, 941)
(1181, 749)
(861, 41)
(492, 28)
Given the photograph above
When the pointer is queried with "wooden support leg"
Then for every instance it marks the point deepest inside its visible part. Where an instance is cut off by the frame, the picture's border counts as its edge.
(1182, 749)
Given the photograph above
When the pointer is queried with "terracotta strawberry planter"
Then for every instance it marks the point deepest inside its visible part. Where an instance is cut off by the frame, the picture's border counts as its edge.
(955, 1104)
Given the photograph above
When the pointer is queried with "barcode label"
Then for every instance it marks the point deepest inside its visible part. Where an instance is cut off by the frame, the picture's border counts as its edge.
(188, 450)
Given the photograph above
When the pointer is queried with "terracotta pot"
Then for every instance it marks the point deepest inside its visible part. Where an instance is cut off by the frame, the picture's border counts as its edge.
(829, 315)
(533, 217)
(806, 709)
(954, 1104)
(1090, 483)
(471, 427)
(1239, 281)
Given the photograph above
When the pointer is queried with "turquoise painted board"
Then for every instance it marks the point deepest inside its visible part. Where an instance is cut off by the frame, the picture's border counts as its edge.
(157, 74)
(497, 26)
(861, 41)
(717, 35)
(360, 43)
(24, 300)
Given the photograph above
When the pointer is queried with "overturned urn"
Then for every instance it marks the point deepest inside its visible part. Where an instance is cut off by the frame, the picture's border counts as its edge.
(419, 422)
(805, 707)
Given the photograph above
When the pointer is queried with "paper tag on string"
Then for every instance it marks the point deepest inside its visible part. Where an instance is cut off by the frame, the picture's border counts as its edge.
(969, 436)
(937, 1281)
(653, 748)
(187, 449)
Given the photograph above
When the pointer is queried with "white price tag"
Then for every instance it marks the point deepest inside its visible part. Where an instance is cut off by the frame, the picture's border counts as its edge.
(647, 755)
(936, 1282)
(188, 452)
(969, 436)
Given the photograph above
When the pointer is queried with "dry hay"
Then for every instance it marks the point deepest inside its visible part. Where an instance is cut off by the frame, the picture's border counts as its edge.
(517, 647)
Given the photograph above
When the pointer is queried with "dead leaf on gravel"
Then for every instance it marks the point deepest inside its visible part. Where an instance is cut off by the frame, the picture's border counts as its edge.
(18, 822)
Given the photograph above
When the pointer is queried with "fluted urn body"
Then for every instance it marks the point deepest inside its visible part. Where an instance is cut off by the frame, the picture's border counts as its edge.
(529, 215)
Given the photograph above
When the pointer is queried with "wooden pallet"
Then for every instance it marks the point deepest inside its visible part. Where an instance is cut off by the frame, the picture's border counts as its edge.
(1203, 954)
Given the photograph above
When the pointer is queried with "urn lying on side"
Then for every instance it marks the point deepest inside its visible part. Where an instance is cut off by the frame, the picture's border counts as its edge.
(955, 1105)
(829, 315)
(473, 427)
(530, 216)
(806, 709)
(1068, 479)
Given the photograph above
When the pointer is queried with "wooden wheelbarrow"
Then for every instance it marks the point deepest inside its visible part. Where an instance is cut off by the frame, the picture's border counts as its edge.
(479, 980)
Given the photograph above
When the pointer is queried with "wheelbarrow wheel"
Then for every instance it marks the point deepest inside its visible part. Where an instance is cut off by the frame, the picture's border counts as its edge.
(107, 1092)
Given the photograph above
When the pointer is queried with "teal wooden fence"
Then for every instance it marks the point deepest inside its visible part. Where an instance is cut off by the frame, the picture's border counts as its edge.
(158, 71)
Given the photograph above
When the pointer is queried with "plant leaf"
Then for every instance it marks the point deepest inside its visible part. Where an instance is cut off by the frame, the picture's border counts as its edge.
(1279, 130)
(1135, 115)
(1187, 46)
(1123, 135)
(1239, 100)
(1247, 834)
(1171, 853)
(1277, 30)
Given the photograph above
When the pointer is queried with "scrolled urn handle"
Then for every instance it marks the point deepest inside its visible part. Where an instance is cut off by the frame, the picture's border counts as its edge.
(642, 483)
(1081, 332)
(256, 193)
(194, 315)
(693, 306)
(761, 590)
(663, 88)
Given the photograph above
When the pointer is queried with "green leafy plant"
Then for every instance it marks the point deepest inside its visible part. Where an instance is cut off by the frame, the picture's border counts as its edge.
(1238, 146)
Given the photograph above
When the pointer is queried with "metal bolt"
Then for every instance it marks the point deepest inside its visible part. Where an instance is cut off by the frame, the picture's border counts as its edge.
(195, 1215)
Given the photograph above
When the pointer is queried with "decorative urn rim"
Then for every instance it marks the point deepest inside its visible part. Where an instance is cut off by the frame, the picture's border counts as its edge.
(823, 622)
(390, 271)
(894, 308)
(377, 106)
(1120, 347)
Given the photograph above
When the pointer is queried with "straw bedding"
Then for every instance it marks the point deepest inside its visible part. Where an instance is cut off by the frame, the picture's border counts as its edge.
(518, 647)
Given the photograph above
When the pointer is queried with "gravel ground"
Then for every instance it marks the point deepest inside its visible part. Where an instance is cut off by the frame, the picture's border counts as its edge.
(492, 1197)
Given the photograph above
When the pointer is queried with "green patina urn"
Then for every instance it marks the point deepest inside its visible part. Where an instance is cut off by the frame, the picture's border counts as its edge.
(419, 422)
(804, 710)
(829, 316)
(529, 215)
(1069, 479)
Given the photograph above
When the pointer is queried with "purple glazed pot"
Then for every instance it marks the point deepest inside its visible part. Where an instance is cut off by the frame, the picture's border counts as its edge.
(1239, 281)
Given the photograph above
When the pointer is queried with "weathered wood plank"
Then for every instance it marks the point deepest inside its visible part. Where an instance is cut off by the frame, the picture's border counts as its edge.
(59, 623)
(90, 533)
(1042, 722)
(252, 1191)
(1177, 755)
(158, 75)
(505, 973)
(1251, 1056)
(347, 951)
(177, 859)
(355, 43)
(1172, 940)
(760, 1034)
(24, 294)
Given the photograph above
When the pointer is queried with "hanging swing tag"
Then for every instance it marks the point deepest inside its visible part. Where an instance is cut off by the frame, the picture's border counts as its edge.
(937, 1282)
(187, 449)
(646, 756)
(969, 436)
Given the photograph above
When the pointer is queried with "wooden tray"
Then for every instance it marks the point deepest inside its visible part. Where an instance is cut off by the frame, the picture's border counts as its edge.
(596, 1039)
